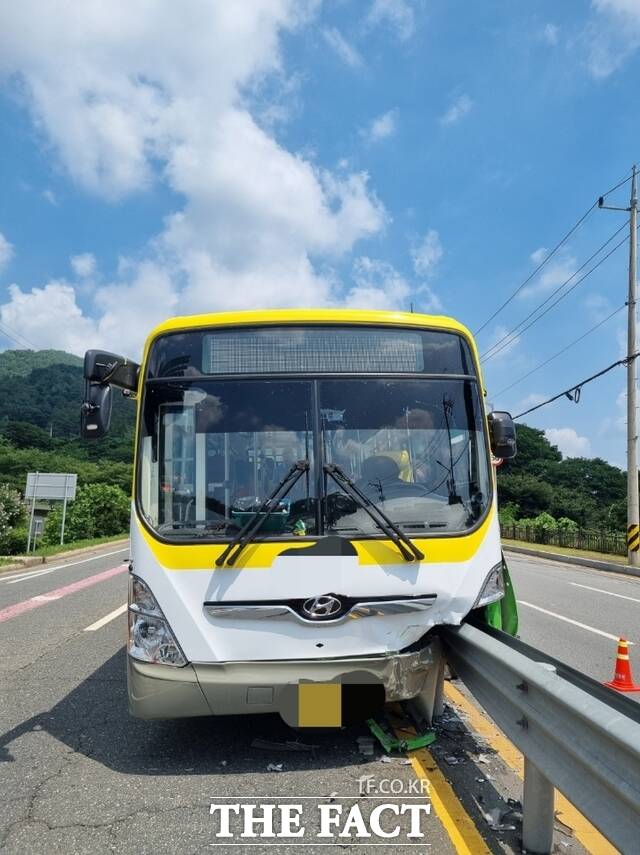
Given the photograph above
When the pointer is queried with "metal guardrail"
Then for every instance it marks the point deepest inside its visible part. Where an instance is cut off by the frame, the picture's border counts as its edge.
(612, 542)
(575, 734)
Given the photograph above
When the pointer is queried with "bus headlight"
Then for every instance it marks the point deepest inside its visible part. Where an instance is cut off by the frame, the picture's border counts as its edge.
(493, 588)
(150, 636)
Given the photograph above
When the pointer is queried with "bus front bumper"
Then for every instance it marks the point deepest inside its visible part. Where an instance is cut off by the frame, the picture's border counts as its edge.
(233, 688)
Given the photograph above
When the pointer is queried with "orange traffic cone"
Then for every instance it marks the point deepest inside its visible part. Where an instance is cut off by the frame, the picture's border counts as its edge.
(622, 679)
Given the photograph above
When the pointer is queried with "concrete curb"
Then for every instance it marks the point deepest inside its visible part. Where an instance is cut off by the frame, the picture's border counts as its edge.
(61, 556)
(609, 566)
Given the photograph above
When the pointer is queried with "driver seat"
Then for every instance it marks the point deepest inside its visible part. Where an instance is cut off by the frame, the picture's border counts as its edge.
(379, 468)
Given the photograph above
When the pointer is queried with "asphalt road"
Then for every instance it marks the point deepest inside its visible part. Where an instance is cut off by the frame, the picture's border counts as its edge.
(577, 614)
(78, 775)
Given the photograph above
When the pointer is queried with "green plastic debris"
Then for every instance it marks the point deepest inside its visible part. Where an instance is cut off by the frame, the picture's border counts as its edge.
(391, 744)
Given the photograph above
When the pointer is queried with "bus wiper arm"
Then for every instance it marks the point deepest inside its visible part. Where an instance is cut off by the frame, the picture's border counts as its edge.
(250, 529)
(407, 548)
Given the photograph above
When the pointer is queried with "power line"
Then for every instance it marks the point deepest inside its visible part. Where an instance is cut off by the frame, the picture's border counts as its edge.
(510, 334)
(517, 331)
(573, 392)
(550, 255)
(560, 352)
(15, 337)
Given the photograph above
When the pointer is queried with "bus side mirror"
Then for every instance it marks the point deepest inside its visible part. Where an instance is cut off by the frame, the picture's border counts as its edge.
(502, 433)
(103, 367)
(95, 413)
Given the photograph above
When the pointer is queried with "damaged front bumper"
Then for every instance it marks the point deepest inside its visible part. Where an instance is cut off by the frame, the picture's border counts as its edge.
(233, 688)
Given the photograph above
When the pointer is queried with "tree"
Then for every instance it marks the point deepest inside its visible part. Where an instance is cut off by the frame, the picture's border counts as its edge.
(594, 477)
(99, 510)
(577, 505)
(534, 449)
(508, 513)
(532, 495)
(12, 510)
(25, 435)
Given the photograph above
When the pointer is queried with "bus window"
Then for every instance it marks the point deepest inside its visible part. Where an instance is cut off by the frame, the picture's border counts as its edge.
(414, 447)
(211, 453)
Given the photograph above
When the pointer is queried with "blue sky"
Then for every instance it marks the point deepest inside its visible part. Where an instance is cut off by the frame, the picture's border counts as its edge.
(161, 159)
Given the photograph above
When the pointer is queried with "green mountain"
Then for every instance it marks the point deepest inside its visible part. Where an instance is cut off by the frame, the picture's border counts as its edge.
(20, 363)
(40, 397)
(45, 389)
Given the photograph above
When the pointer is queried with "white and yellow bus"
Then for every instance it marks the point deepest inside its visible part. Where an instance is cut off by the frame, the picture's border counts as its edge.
(313, 497)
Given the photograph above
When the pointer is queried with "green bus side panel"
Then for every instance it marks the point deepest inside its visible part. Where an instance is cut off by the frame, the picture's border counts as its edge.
(504, 614)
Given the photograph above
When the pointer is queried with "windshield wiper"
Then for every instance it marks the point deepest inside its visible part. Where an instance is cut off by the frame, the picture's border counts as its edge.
(407, 548)
(253, 525)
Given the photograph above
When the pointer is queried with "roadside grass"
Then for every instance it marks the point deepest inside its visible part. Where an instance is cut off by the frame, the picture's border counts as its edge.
(57, 549)
(565, 550)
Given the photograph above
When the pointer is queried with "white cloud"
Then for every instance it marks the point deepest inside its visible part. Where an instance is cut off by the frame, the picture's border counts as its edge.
(382, 127)
(503, 347)
(550, 34)
(49, 317)
(50, 197)
(427, 254)
(6, 252)
(457, 110)
(555, 272)
(599, 306)
(396, 13)
(378, 285)
(346, 51)
(569, 442)
(620, 7)
(83, 265)
(539, 255)
(612, 35)
(127, 97)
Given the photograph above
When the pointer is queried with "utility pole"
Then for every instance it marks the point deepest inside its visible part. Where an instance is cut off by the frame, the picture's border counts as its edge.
(633, 514)
(633, 509)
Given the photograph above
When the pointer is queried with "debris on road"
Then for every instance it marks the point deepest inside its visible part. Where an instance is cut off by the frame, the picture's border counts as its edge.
(274, 767)
(391, 744)
(561, 826)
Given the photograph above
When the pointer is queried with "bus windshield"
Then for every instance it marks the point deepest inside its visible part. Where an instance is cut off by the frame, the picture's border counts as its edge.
(212, 450)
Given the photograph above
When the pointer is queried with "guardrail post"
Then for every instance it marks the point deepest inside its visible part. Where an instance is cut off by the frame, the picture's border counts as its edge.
(537, 811)
(429, 704)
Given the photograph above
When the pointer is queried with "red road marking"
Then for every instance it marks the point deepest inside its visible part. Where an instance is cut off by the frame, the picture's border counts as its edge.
(42, 599)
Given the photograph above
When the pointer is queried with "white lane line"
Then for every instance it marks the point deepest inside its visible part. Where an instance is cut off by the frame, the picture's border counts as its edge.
(93, 558)
(569, 620)
(602, 591)
(104, 620)
(62, 566)
(25, 578)
(22, 573)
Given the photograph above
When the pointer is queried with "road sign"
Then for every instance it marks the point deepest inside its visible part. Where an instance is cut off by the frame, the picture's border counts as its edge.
(51, 485)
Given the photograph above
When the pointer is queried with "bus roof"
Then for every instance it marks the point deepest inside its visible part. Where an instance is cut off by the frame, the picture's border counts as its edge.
(309, 316)
(258, 317)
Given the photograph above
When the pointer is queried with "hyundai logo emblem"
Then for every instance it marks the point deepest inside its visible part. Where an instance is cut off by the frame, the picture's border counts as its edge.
(319, 608)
